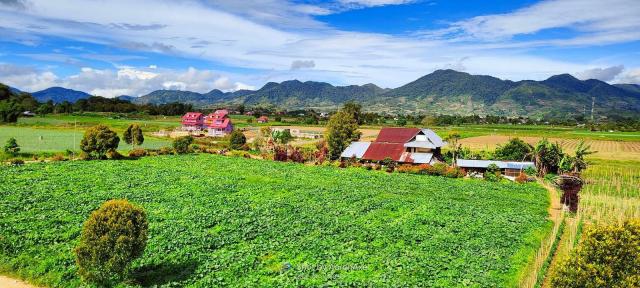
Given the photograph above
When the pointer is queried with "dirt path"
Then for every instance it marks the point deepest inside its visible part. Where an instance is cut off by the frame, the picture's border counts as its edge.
(556, 215)
(6, 282)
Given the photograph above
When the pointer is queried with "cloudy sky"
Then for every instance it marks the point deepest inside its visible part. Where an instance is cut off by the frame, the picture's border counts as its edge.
(124, 47)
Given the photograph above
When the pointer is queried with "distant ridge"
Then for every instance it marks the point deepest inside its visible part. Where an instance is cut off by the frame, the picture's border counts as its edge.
(59, 95)
(441, 92)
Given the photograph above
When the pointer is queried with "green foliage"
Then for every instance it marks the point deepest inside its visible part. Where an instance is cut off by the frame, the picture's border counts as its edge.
(492, 173)
(607, 256)
(514, 150)
(11, 146)
(218, 221)
(13, 104)
(133, 135)
(181, 145)
(99, 140)
(530, 171)
(282, 137)
(547, 157)
(112, 237)
(342, 129)
(237, 140)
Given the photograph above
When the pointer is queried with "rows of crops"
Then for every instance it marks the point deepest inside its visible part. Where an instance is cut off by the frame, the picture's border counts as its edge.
(230, 221)
(612, 191)
(606, 149)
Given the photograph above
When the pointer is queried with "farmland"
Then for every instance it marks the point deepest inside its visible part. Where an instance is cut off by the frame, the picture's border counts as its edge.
(275, 224)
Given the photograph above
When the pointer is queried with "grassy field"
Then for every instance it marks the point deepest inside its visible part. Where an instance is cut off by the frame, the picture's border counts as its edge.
(34, 140)
(252, 222)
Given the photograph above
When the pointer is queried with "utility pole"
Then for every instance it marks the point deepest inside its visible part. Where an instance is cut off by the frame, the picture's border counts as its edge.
(593, 103)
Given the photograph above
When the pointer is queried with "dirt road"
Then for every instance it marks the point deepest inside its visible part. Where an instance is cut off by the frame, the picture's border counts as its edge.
(6, 282)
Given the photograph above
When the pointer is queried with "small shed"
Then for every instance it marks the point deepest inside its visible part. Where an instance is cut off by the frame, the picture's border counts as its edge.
(507, 168)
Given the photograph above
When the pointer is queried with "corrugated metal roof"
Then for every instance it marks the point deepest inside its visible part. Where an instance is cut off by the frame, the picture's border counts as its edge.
(355, 149)
(396, 135)
(421, 158)
(485, 163)
(379, 151)
(433, 137)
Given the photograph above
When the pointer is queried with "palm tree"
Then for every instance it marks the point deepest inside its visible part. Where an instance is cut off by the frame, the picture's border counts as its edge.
(582, 150)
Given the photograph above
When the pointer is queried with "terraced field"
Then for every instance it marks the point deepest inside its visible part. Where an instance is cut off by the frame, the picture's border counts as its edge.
(223, 221)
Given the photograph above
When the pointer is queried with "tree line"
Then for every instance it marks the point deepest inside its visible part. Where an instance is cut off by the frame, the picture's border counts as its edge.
(13, 104)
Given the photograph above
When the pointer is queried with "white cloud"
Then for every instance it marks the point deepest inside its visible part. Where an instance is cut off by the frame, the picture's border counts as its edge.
(269, 37)
(631, 76)
(603, 74)
(124, 81)
(587, 16)
(373, 3)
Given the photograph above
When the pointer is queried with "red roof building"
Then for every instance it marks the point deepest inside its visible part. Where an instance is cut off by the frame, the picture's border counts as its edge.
(218, 123)
(405, 145)
(192, 121)
(263, 119)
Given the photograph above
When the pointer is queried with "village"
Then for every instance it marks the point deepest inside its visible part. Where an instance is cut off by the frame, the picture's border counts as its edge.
(403, 146)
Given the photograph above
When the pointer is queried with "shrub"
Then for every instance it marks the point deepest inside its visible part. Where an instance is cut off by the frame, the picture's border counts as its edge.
(137, 153)
(439, 169)
(112, 237)
(11, 146)
(114, 155)
(58, 157)
(16, 162)
(133, 135)
(531, 171)
(99, 140)
(237, 140)
(454, 172)
(165, 151)
(181, 145)
(280, 154)
(608, 256)
(522, 178)
(296, 156)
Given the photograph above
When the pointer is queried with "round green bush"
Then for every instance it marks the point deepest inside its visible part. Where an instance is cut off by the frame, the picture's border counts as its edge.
(112, 237)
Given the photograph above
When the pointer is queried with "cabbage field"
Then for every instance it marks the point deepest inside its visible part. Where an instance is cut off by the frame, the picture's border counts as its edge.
(224, 221)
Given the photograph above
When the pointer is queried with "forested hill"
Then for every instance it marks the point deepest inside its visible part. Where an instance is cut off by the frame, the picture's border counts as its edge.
(441, 92)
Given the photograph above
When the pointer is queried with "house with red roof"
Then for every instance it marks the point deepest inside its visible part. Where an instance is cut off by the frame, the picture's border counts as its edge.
(218, 123)
(263, 119)
(193, 121)
(403, 145)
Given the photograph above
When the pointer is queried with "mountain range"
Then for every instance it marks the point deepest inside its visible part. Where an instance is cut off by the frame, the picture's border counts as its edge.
(441, 92)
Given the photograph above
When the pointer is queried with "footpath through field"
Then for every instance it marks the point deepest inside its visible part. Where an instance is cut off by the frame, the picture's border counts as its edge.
(556, 215)
(6, 282)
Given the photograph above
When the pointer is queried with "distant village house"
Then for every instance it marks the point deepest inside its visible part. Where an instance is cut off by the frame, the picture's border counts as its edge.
(217, 123)
(263, 119)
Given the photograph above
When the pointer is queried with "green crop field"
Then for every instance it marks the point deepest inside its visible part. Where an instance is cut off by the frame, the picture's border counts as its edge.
(218, 220)
(35, 140)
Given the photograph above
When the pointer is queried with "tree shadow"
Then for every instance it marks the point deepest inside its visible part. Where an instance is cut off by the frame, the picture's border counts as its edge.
(159, 274)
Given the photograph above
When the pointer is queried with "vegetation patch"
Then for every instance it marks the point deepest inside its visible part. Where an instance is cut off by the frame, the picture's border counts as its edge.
(213, 221)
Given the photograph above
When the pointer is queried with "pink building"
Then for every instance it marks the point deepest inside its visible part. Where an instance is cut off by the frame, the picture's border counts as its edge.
(218, 123)
(193, 121)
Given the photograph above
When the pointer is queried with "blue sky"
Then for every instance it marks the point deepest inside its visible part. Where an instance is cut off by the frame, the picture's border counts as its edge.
(120, 47)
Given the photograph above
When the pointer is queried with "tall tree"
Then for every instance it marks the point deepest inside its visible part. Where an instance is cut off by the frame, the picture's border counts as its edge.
(342, 129)
(452, 139)
(515, 149)
(355, 110)
(133, 135)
